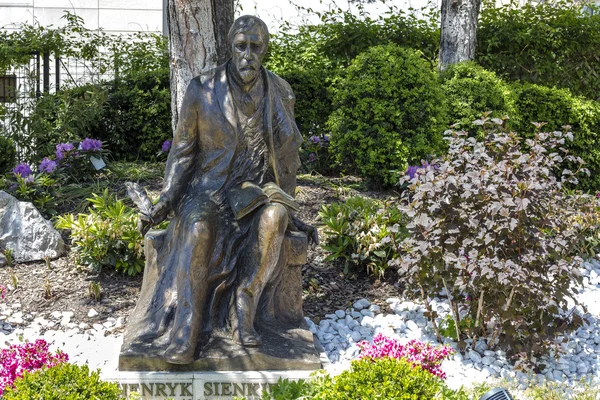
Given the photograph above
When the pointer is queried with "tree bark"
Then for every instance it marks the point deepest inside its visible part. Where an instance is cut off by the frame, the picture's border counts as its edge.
(459, 31)
(197, 42)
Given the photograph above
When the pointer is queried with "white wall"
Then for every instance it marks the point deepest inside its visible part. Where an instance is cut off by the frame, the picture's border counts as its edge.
(113, 16)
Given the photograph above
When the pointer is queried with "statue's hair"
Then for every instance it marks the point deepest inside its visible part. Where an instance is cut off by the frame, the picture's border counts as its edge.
(245, 23)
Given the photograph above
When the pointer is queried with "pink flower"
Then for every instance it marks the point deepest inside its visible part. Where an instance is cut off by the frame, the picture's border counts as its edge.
(28, 356)
(415, 352)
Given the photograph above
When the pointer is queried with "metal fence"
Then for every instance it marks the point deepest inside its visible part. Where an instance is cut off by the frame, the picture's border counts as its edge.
(21, 86)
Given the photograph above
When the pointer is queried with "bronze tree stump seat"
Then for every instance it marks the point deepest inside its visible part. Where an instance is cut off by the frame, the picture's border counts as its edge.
(288, 345)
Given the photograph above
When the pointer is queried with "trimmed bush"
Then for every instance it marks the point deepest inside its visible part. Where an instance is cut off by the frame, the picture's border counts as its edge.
(389, 111)
(549, 43)
(471, 90)
(557, 108)
(384, 378)
(62, 382)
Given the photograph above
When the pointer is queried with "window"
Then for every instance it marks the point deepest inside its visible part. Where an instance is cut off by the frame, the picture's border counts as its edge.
(8, 88)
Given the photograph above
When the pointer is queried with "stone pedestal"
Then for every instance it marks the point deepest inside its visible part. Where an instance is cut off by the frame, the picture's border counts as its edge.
(201, 385)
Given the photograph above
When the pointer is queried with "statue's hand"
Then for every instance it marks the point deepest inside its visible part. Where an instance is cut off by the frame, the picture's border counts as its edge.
(159, 213)
(311, 232)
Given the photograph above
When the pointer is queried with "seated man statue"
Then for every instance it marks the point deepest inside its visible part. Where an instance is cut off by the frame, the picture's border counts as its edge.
(229, 182)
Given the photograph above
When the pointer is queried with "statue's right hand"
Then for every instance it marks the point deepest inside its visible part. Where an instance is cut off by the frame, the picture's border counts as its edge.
(159, 213)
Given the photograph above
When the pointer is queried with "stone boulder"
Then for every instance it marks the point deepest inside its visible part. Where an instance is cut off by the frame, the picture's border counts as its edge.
(26, 232)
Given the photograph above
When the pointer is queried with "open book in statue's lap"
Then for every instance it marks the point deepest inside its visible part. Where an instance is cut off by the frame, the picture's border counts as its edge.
(222, 288)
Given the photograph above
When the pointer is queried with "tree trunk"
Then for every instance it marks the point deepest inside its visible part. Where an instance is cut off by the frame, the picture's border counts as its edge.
(197, 41)
(459, 31)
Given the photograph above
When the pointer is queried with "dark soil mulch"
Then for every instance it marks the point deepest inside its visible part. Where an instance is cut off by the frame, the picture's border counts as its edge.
(61, 285)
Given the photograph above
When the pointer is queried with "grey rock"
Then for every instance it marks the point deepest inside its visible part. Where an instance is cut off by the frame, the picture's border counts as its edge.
(356, 336)
(488, 360)
(340, 313)
(375, 308)
(361, 304)
(411, 325)
(474, 356)
(367, 313)
(26, 232)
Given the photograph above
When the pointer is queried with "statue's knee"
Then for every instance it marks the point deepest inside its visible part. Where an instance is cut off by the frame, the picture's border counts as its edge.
(275, 215)
(201, 229)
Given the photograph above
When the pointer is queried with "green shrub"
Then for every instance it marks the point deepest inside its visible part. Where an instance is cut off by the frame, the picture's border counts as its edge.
(492, 225)
(8, 155)
(67, 116)
(549, 43)
(470, 90)
(62, 382)
(557, 108)
(286, 389)
(313, 59)
(131, 115)
(390, 111)
(354, 231)
(107, 236)
(137, 119)
(385, 378)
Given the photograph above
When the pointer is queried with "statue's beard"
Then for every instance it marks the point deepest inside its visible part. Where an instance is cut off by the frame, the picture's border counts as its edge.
(248, 75)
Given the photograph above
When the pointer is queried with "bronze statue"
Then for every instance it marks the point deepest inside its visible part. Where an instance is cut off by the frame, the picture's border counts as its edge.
(230, 181)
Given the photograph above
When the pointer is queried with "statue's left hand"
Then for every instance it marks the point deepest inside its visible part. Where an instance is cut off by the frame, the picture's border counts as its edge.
(311, 232)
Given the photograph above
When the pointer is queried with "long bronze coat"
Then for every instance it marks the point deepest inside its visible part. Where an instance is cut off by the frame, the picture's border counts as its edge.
(201, 168)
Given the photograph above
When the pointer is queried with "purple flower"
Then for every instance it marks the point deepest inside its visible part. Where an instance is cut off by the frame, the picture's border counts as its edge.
(315, 139)
(412, 170)
(63, 148)
(47, 165)
(23, 169)
(91, 145)
(312, 157)
(166, 146)
(598, 195)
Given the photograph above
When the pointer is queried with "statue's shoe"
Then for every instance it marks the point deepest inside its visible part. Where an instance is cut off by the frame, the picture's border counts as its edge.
(179, 353)
(248, 339)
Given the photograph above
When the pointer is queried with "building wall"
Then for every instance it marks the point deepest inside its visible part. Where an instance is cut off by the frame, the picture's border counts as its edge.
(113, 16)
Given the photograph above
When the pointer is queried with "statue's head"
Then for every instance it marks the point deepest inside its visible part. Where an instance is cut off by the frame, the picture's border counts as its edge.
(249, 39)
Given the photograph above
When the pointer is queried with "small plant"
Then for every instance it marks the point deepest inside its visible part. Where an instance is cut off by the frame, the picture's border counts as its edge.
(315, 154)
(95, 290)
(13, 277)
(107, 236)
(415, 352)
(26, 357)
(63, 381)
(355, 232)
(8, 253)
(286, 389)
(47, 289)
